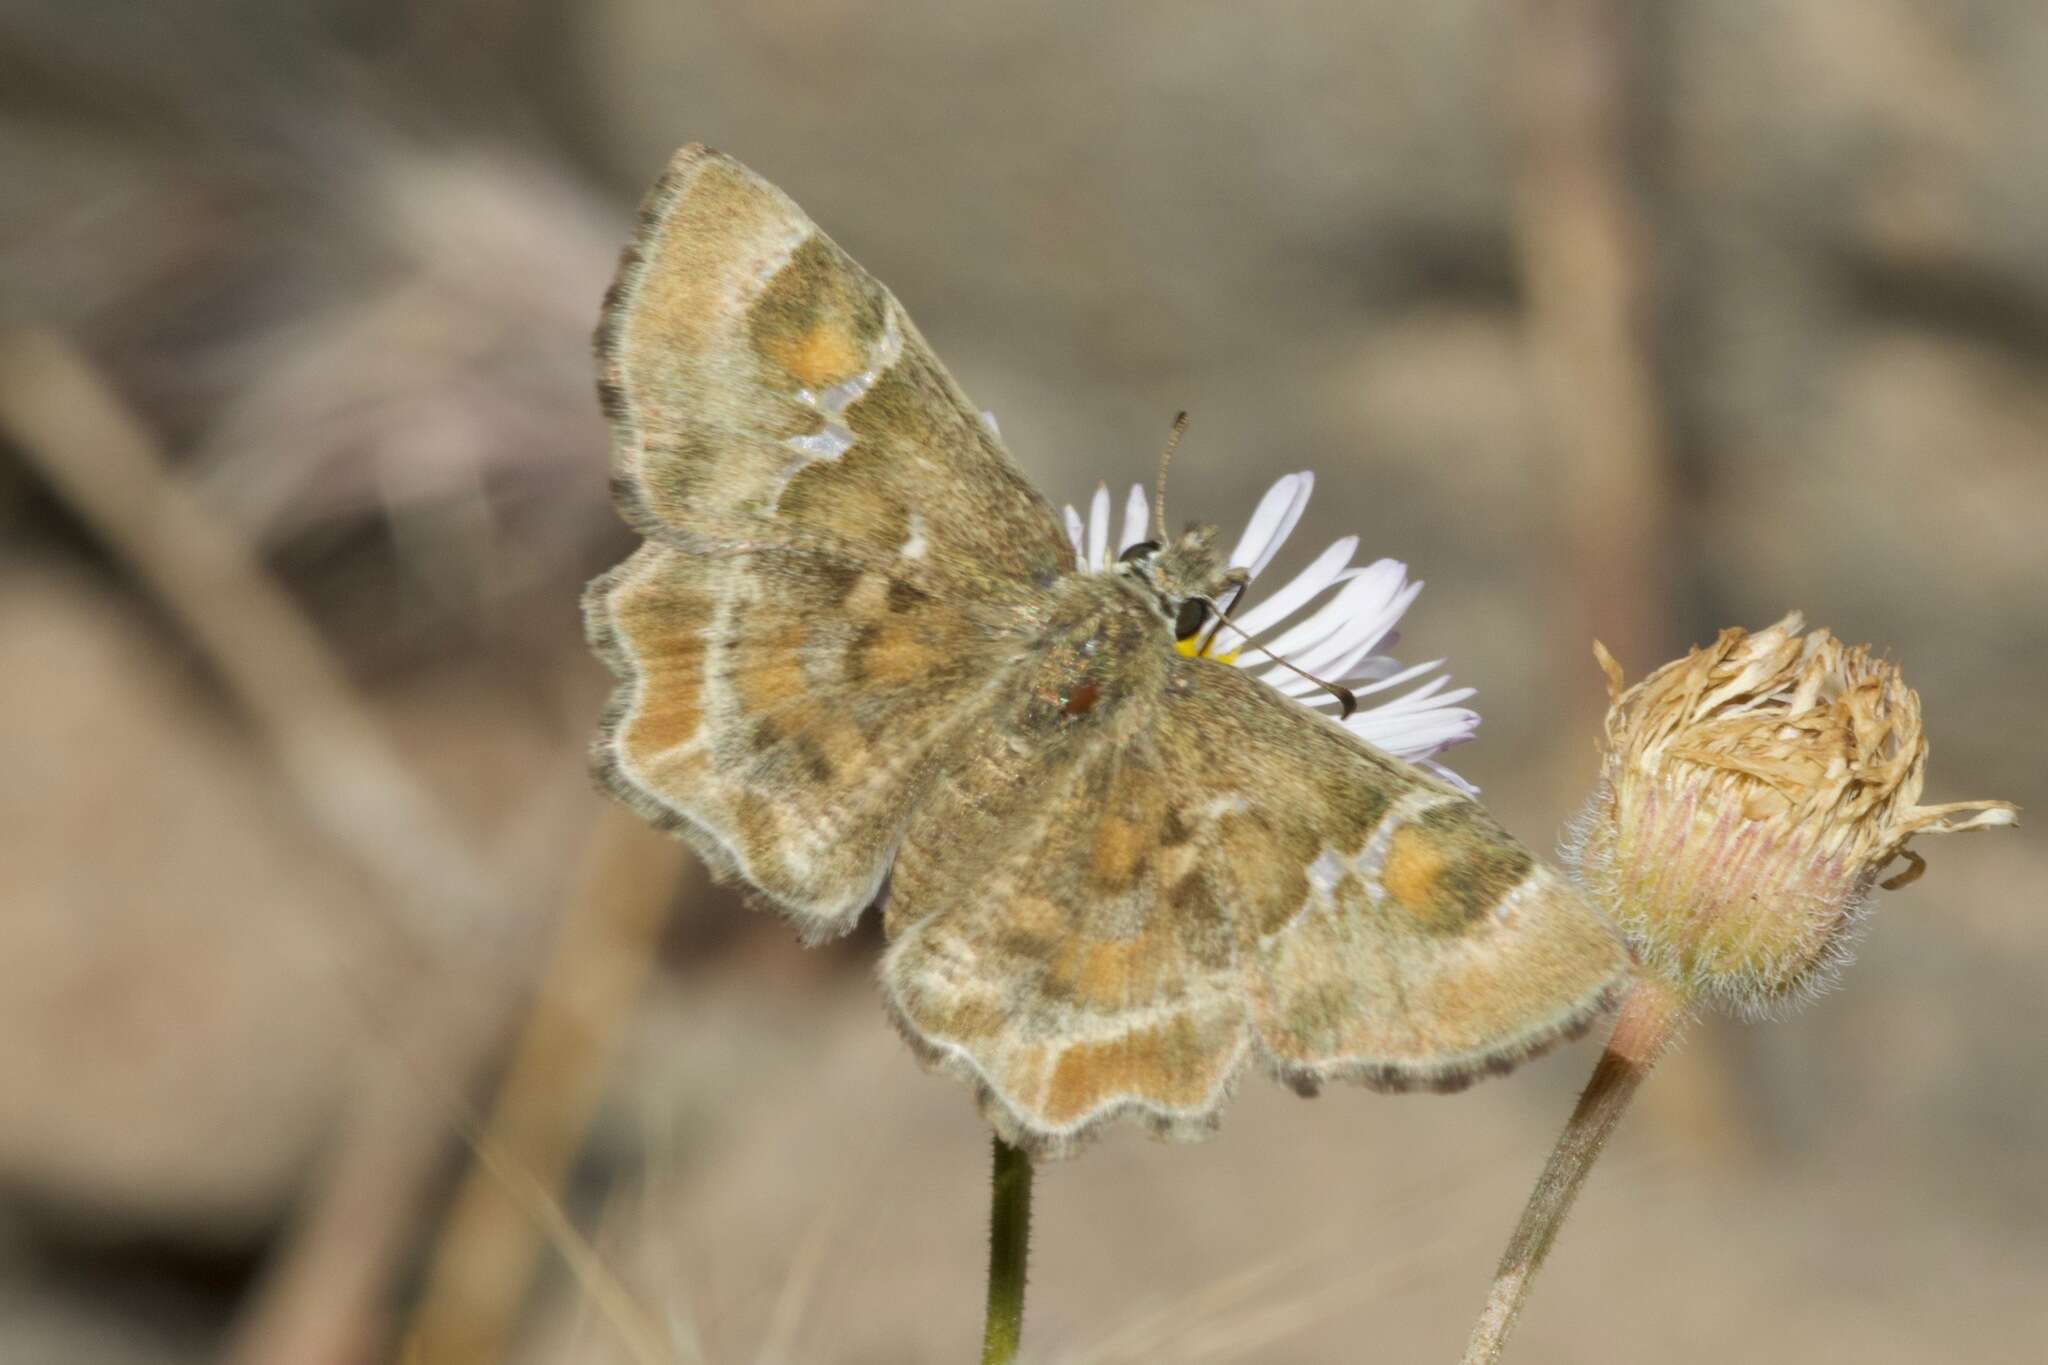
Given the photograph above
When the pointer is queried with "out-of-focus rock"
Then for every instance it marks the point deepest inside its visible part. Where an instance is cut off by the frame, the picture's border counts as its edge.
(178, 947)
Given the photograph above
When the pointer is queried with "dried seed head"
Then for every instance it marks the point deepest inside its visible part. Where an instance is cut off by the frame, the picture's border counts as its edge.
(1751, 794)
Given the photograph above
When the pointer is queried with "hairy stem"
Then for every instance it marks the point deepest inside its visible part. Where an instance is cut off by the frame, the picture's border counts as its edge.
(1009, 1247)
(1651, 1018)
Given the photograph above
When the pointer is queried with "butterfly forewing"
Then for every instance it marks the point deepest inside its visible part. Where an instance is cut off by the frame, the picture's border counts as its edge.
(751, 367)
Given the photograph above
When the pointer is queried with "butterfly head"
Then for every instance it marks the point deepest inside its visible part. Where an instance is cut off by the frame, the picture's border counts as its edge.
(1185, 577)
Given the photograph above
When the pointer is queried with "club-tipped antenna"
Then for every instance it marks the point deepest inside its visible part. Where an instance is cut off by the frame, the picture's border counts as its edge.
(1180, 428)
(1346, 698)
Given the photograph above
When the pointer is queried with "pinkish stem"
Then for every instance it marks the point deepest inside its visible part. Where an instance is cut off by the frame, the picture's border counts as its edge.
(1651, 1018)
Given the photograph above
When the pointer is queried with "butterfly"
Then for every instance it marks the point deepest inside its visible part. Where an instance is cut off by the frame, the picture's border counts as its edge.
(860, 666)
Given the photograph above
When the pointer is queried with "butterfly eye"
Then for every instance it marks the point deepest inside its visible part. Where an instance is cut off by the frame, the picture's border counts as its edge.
(1138, 551)
(1193, 613)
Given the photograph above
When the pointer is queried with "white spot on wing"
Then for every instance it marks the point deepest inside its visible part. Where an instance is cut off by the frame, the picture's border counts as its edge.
(915, 544)
(835, 438)
(1325, 872)
(1221, 807)
(745, 287)
(828, 444)
(1529, 887)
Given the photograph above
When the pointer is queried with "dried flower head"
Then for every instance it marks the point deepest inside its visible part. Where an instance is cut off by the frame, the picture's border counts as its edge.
(1752, 793)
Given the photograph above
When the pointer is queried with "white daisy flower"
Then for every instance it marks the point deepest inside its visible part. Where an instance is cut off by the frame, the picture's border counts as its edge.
(1338, 640)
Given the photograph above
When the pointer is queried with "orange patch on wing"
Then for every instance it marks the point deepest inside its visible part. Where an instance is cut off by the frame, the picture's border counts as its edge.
(841, 742)
(1119, 850)
(665, 641)
(1108, 976)
(1164, 1064)
(1415, 859)
(897, 655)
(668, 716)
(823, 354)
(1035, 916)
(772, 681)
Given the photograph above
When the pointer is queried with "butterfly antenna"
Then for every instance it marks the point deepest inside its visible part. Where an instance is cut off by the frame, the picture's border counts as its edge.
(1346, 698)
(1180, 428)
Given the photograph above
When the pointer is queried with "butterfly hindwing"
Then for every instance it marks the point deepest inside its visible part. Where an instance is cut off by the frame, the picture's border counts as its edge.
(1061, 976)
(1390, 931)
(1222, 874)
(779, 708)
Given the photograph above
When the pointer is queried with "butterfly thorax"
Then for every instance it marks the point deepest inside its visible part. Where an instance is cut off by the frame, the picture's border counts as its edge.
(1108, 637)
(1104, 643)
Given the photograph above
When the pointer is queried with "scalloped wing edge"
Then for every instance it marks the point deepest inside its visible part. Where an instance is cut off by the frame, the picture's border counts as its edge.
(1018, 1126)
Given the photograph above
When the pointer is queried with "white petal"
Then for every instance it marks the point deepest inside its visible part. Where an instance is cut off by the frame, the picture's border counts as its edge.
(1429, 695)
(1272, 522)
(1405, 675)
(1424, 730)
(1266, 518)
(1419, 723)
(1396, 679)
(1432, 766)
(1075, 534)
(1137, 517)
(1359, 637)
(1424, 695)
(1354, 622)
(1374, 667)
(1288, 522)
(1414, 737)
(1098, 529)
(1302, 490)
(1342, 608)
(1298, 590)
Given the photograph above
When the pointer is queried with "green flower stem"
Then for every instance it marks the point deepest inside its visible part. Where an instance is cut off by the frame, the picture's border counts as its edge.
(1009, 1247)
(1651, 1018)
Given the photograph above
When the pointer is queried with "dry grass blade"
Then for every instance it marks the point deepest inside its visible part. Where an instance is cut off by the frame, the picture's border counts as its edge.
(1139, 1338)
(1246, 1336)
(637, 1331)
(324, 1299)
(1238, 1319)
(799, 1286)
(101, 460)
(602, 958)
(324, 1302)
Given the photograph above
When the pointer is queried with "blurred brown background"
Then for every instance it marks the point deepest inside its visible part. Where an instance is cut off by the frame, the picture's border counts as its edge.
(1633, 329)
